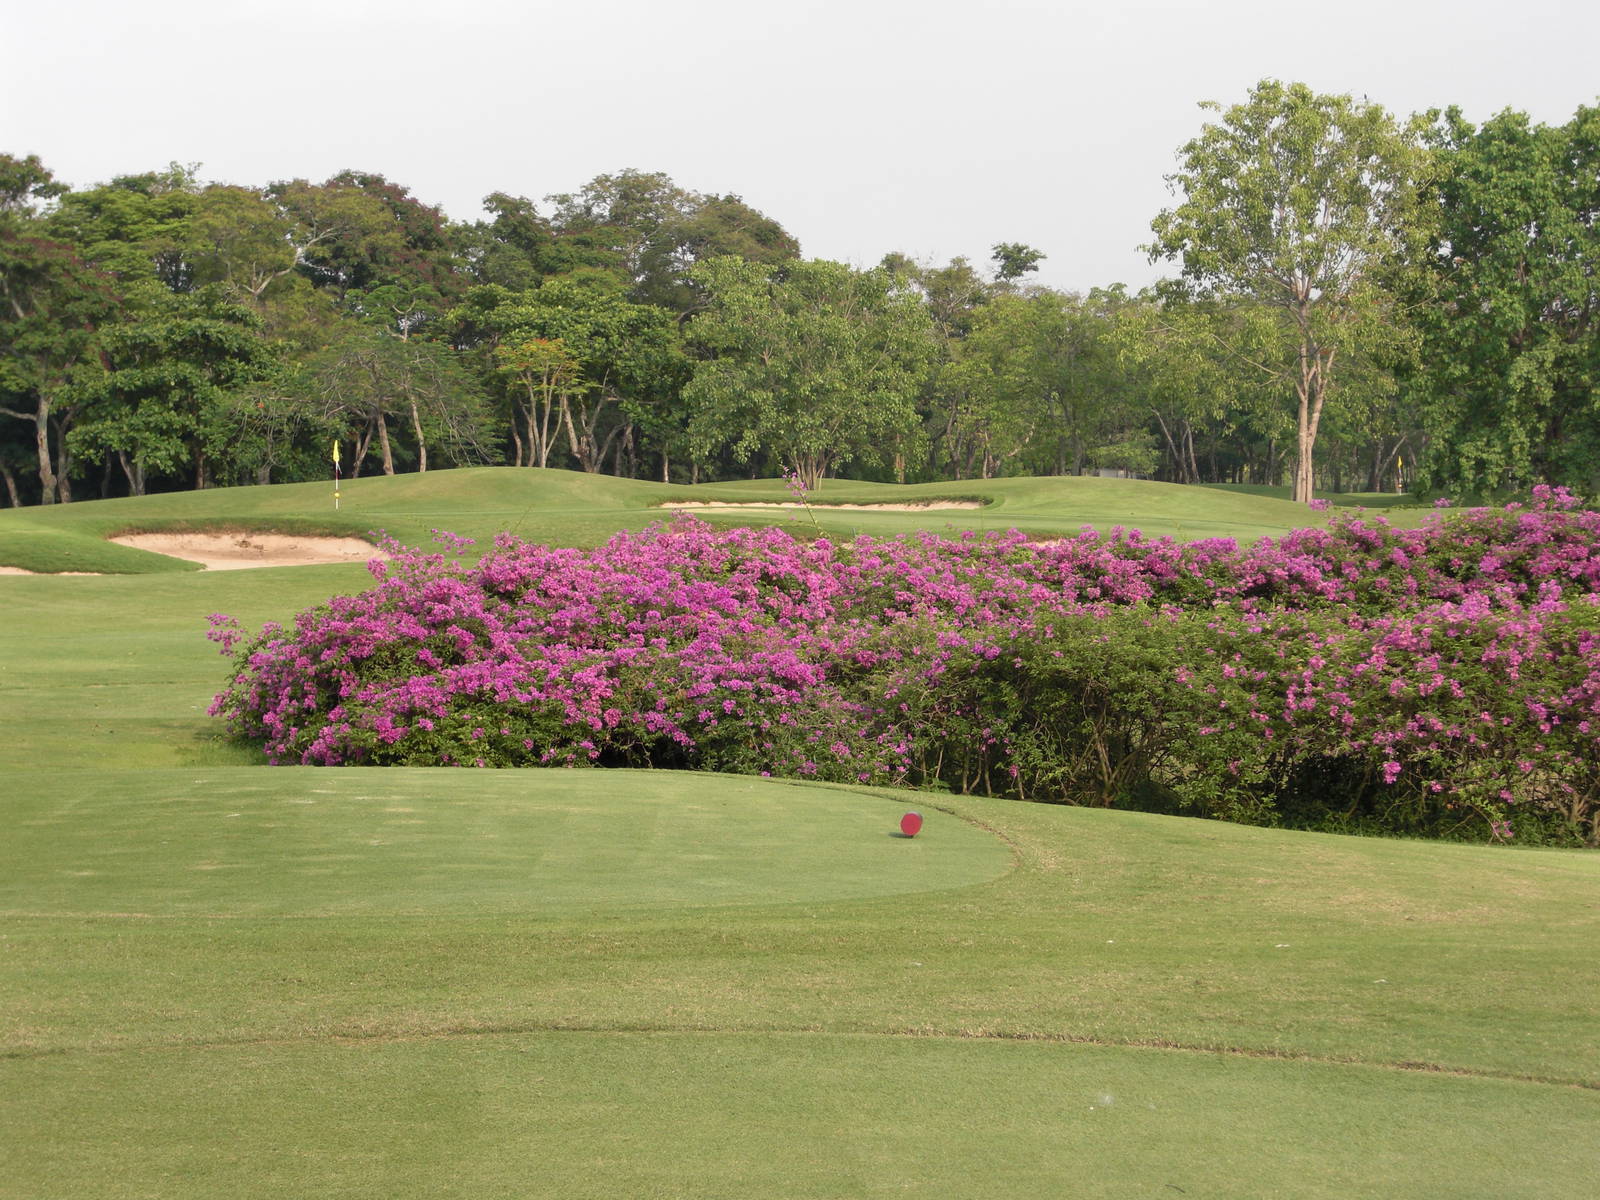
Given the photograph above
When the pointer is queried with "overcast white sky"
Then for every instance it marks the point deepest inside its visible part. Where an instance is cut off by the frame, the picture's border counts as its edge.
(928, 126)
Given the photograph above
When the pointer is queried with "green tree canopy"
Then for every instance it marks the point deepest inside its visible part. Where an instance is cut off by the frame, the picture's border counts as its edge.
(168, 372)
(1301, 202)
(52, 305)
(813, 365)
(658, 231)
(1510, 311)
(628, 356)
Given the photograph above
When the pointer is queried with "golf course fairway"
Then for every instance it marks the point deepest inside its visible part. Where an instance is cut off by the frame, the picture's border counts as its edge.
(222, 979)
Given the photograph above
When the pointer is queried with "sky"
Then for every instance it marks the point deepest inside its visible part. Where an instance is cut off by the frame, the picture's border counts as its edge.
(930, 127)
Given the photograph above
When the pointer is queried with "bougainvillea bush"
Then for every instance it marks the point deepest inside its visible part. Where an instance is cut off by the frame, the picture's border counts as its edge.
(1417, 680)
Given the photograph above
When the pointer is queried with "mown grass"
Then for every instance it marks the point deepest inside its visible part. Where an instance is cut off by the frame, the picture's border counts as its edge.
(568, 508)
(1395, 500)
(218, 978)
(603, 1115)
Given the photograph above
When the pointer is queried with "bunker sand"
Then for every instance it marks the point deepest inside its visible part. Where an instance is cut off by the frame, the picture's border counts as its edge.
(237, 551)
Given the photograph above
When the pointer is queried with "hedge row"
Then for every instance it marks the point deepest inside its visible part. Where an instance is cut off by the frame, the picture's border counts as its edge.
(1430, 680)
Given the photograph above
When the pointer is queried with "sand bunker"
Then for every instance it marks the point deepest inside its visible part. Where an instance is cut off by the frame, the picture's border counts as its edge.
(922, 507)
(235, 551)
(25, 571)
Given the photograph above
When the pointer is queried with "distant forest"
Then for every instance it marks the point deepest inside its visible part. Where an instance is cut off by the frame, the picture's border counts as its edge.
(1361, 303)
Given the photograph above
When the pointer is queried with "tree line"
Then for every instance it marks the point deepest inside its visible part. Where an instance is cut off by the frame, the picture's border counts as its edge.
(1361, 303)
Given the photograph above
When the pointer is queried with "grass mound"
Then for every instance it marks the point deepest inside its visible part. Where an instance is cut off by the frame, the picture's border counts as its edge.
(569, 508)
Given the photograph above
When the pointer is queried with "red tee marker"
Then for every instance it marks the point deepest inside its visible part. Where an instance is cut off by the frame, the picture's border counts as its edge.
(911, 824)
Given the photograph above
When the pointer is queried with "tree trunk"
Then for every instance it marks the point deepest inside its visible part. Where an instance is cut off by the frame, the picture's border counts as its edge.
(134, 470)
(11, 485)
(63, 464)
(623, 462)
(422, 442)
(540, 439)
(1175, 464)
(41, 441)
(1311, 389)
(1304, 479)
(572, 432)
(811, 468)
(363, 444)
(588, 450)
(383, 445)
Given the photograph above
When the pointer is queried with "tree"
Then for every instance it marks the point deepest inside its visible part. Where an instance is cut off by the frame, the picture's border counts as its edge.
(814, 365)
(14, 457)
(519, 248)
(996, 396)
(278, 429)
(706, 227)
(52, 304)
(1300, 202)
(423, 255)
(658, 231)
(549, 375)
(167, 371)
(1042, 386)
(367, 376)
(628, 357)
(1510, 308)
(1217, 423)
(242, 241)
(135, 228)
(344, 236)
(26, 185)
(1013, 260)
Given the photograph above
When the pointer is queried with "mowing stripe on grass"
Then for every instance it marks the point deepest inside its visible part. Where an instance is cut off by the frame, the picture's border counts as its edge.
(761, 1115)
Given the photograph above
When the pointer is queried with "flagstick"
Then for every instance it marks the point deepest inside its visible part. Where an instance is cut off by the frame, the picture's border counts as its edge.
(335, 474)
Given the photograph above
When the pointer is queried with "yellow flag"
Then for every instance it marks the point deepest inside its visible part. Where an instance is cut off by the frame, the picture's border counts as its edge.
(336, 452)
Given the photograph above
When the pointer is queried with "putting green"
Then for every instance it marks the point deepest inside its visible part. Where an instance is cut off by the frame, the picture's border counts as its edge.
(304, 842)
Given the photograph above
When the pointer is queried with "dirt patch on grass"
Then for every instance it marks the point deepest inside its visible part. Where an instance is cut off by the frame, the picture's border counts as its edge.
(923, 506)
(236, 551)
